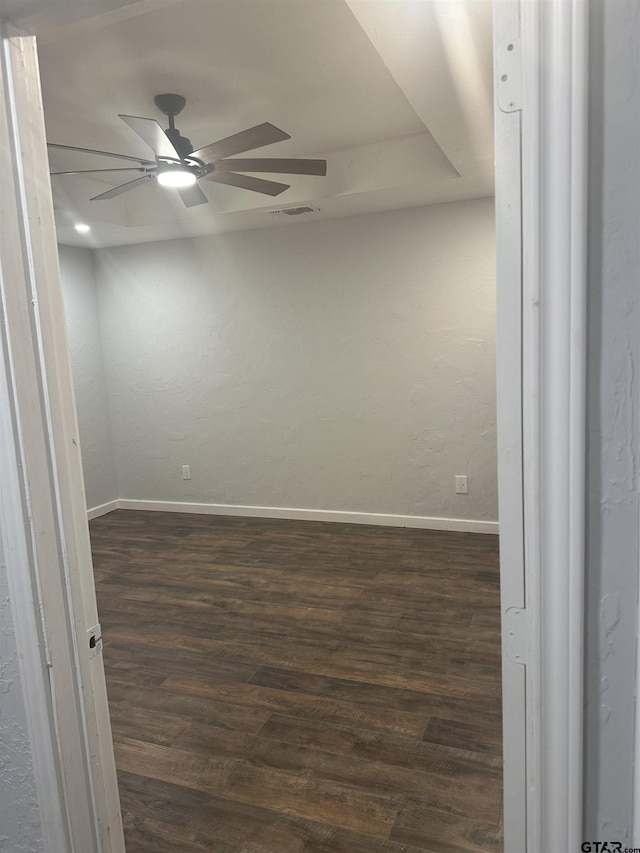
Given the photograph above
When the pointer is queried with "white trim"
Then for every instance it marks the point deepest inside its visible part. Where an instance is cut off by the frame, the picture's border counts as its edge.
(20, 553)
(31, 547)
(102, 509)
(507, 62)
(462, 525)
(53, 507)
(554, 155)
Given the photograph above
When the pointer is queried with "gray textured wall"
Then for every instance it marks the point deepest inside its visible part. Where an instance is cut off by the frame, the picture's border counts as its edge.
(343, 365)
(19, 815)
(85, 344)
(614, 350)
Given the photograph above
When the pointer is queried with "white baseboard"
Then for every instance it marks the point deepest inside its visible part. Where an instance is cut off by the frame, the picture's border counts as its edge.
(462, 525)
(103, 509)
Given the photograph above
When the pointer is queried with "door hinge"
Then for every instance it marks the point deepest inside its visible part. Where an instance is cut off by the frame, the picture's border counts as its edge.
(94, 637)
(516, 634)
(509, 69)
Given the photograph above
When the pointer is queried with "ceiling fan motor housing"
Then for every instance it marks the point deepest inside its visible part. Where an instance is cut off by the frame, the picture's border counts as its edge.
(182, 145)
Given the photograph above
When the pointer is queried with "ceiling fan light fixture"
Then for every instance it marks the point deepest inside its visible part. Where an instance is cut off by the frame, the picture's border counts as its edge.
(177, 177)
(177, 165)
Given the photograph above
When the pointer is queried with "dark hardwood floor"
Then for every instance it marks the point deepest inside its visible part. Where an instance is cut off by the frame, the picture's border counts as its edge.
(281, 686)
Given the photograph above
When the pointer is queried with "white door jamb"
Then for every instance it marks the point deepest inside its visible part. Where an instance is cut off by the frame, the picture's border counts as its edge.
(554, 210)
(42, 505)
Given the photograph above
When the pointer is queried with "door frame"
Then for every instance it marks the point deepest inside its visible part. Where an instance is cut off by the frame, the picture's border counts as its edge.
(554, 216)
(43, 515)
(541, 92)
(541, 76)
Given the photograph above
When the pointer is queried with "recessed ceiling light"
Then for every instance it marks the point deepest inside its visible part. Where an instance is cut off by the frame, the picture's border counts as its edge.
(82, 228)
(176, 177)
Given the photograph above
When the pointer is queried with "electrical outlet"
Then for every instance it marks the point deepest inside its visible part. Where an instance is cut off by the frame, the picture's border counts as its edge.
(186, 472)
(462, 485)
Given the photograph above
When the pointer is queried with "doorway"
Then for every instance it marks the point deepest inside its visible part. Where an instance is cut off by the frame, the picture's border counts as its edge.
(342, 367)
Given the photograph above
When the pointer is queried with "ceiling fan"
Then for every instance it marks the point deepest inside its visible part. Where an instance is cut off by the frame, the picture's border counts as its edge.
(177, 165)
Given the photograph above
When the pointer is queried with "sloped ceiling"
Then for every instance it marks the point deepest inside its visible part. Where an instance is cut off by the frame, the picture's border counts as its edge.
(395, 94)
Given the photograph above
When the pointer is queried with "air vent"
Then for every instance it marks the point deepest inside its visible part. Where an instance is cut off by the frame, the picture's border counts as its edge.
(295, 211)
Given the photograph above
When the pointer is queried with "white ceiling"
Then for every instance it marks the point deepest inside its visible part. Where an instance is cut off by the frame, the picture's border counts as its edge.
(395, 94)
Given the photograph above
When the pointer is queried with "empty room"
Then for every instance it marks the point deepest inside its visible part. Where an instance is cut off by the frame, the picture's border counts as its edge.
(277, 250)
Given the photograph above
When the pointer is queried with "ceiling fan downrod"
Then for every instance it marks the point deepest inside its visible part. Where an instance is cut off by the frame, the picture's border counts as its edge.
(172, 105)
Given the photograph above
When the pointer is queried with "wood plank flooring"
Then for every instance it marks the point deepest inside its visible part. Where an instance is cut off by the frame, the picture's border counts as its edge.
(282, 686)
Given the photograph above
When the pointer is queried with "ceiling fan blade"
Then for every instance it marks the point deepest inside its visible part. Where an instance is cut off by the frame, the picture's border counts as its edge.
(102, 153)
(193, 196)
(246, 140)
(93, 171)
(275, 164)
(248, 182)
(123, 188)
(150, 131)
